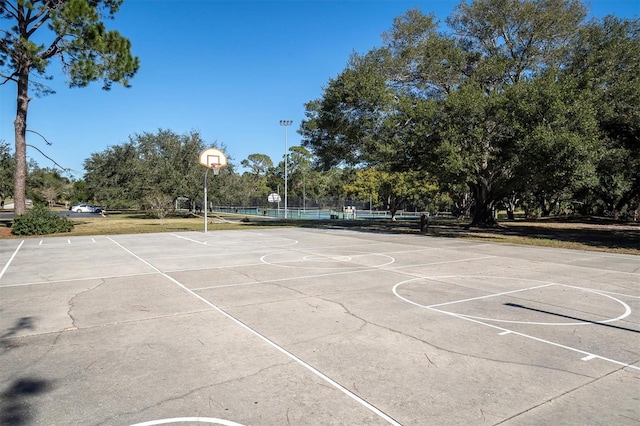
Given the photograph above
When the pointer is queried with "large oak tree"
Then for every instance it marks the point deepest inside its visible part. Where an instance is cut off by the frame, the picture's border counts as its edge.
(444, 102)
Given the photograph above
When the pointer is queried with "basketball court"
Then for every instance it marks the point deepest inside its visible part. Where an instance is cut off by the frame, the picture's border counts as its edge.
(290, 326)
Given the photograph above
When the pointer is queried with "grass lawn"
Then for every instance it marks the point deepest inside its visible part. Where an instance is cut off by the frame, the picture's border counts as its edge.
(583, 233)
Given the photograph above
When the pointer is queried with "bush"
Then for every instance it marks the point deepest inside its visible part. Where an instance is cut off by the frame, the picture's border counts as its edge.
(40, 221)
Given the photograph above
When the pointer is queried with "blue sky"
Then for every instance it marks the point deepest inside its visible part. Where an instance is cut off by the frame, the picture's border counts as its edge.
(229, 69)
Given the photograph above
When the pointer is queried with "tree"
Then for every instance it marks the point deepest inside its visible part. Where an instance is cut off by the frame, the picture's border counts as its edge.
(255, 180)
(505, 42)
(354, 123)
(159, 204)
(77, 37)
(114, 177)
(556, 131)
(437, 102)
(392, 190)
(169, 163)
(300, 172)
(46, 185)
(148, 164)
(7, 164)
(606, 63)
(258, 164)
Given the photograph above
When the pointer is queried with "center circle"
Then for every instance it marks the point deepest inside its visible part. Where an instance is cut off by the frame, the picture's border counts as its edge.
(325, 259)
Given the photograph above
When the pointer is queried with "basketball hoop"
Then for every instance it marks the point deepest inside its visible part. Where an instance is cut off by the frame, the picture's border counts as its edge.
(216, 168)
(214, 159)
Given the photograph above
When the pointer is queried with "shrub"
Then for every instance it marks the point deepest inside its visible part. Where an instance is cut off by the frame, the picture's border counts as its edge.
(40, 221)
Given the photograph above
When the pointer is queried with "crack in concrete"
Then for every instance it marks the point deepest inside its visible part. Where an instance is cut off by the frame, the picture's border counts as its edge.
(562, 394)
(192, 391)
(367, 322)
(72, 304)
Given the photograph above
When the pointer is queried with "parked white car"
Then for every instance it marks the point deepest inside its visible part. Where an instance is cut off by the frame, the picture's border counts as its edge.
(83, 208)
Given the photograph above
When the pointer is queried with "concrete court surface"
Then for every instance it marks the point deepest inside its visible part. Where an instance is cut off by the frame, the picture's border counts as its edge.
(289, 326)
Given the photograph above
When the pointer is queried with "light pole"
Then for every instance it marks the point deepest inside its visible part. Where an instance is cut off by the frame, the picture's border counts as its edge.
(285, 123)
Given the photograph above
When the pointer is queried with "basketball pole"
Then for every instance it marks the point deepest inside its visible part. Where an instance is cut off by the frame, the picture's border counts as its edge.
(206, 206)
(215, 159)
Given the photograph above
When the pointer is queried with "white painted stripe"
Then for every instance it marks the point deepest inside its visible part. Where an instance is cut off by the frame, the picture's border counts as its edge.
(11, 259)
(188, 239)
(589, 357)
(394, 269)
(482, 297)
(537, 339)
(76, 279)
(189, 419)
(504, 333)
(593, 290)
(312, 369)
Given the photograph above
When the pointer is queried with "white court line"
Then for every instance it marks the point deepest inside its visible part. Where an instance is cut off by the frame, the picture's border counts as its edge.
(394, 290)
(330, 274)
(239, 241)
(189, 419)
(188, 239)
(6, 266)
(504, 331)
(302, 277)
(602, 291)
(70, 280)
(483, 297)
(587, 355)
(312, 369)
(342, 246)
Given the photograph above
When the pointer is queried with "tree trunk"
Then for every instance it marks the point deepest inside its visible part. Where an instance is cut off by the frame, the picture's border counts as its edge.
(511, 202)
(544, 206)
(20, 127)
(483, 208)
(510, 214)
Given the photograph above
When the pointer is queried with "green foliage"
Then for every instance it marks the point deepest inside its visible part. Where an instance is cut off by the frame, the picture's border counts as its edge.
(606, 63)
(46, 185)
(113, 176)
(258, 164)
(159, 204)
(7, 167)
(521, 100)
(78, 192)
(392, 190)
(164, 162)
(40, 221)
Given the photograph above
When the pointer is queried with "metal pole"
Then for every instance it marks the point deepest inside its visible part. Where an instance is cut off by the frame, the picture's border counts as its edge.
(286, 160)
(205, 200)
(285, 123)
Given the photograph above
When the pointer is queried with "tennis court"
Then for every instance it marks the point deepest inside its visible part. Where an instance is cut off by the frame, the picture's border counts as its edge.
(290, 326)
